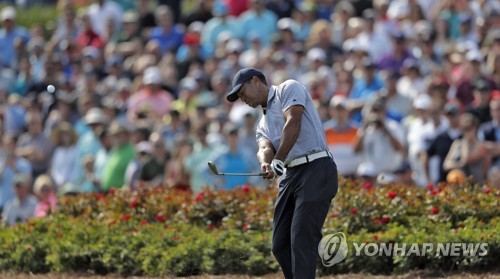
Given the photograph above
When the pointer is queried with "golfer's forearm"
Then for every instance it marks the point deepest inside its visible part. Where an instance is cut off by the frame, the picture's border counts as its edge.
(289, 137)
(265, 154)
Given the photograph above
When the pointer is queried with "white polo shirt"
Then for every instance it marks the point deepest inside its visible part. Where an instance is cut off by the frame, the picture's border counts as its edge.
(311, 137)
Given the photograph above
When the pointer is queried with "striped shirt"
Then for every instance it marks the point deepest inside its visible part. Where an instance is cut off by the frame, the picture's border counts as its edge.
(311, 137)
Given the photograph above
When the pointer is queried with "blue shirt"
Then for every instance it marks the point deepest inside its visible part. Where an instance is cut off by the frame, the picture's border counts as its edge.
(253, 23)
(8, 53)
(233, 162)
(363, 90)
(7, 177)
(167, 42)
(214, 27)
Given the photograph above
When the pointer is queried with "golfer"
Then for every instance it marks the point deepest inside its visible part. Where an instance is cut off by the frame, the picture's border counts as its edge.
(292, 145)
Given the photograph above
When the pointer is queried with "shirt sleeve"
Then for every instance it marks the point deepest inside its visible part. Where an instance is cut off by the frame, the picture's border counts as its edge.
(292, 93)
(261, 132)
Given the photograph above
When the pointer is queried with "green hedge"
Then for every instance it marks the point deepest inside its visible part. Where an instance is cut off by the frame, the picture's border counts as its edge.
(163, 232)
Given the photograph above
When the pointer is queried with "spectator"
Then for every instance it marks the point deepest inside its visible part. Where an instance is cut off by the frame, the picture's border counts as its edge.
(87, 35)
(152, 101)
(340, 136)
(144, 151)
(120, 156)
(8, 36)
(35, 146)
(258, 18)
(101, 12)
(153, 170)
(202, 13)
(64, 166)
(168, 36)
(102, 155)
(47, 195)
(482, 96)
(400, 53)
(177, 176)
(410, 84)
(364, 87)
(380, 140)
(440, 146)
(468, 154)
(490, 132)
(22, 206)
(10, 164)
(234, 159)
(472, 74)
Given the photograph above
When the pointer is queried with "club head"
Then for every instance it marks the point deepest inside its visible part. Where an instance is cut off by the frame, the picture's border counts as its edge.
(212, 167)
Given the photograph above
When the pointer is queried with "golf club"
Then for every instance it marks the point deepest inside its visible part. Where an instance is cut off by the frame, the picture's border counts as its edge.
(213, 168)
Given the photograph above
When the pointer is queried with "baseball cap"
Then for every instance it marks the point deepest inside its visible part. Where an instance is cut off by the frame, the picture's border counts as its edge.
(152, 75)
(8, 13)
(144, 147)
(451, 109)
(422, 102)
(474, 55)
(482, 85)
(339, 101)
(316, 54)
(241, 77)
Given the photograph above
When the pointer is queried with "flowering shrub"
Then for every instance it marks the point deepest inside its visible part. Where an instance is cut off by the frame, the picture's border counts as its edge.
(161, 231)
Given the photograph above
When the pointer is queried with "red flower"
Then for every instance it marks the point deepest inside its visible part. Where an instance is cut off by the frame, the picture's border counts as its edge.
(28, 230)
(199, 197)
(430, 186)
(99, 196)
(435, 210)
(160, 218)
(245, 226)
(375, 237)
(210, 227)
(112, 191)
(167, 198)
(125, 217)
(143, 222)
(133, 204)
(460, 225)
(28, 247)
(354, 211)
(392, 195)
(245, 188)
(487, 191)
(59, 235)
(385, 219)
(367, 185)
(377, 221)
(136, 230)
(336, 214)
(434, 192)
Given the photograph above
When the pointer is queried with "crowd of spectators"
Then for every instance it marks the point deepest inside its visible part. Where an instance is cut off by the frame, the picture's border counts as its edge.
(132, 93)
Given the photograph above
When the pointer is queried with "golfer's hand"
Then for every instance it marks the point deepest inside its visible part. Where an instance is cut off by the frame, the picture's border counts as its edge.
(266, 169)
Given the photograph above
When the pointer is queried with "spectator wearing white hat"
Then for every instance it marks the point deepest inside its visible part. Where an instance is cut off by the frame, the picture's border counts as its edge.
(152, 100)
(22, 206)
(340, 136)
(8, 35)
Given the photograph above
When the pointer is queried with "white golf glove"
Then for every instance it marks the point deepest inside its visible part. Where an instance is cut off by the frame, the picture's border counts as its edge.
(278, 167)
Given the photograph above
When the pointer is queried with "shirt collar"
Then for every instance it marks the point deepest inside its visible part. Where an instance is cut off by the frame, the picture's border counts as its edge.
(271, 93)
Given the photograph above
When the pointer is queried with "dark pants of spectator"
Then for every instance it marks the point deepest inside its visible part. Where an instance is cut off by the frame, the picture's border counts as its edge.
(304, 198)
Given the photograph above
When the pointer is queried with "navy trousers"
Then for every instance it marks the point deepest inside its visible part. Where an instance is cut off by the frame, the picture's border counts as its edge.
(304, 198)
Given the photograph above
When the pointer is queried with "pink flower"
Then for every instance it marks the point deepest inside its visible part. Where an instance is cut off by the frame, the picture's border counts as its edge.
(434, 192)
(430, 186)
(335, 214)
(377, 221)
(487, 191)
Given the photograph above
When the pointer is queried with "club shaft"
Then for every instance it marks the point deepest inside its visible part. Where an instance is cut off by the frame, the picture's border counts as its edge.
(240, 174)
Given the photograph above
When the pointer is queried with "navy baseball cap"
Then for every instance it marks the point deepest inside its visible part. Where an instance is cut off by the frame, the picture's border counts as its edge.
(239, 79)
